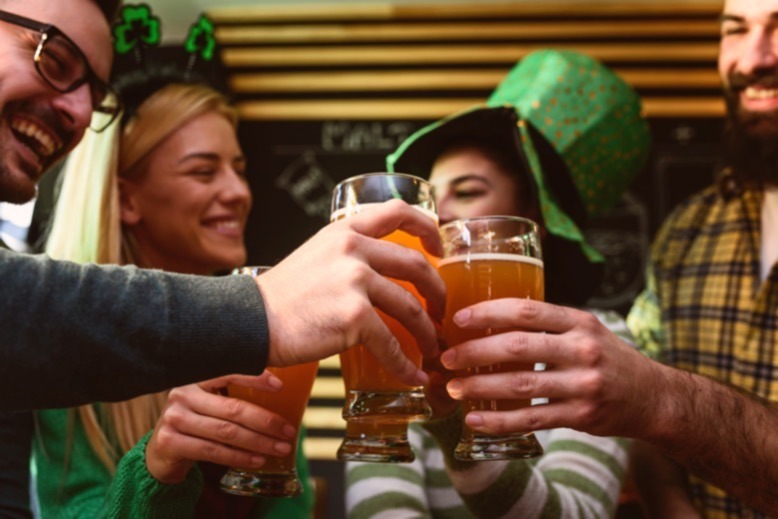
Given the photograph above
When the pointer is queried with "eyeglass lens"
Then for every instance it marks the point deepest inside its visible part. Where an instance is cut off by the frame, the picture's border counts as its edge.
(63, 65)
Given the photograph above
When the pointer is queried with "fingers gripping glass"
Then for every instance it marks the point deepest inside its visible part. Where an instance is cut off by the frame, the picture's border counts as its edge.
(63, 66)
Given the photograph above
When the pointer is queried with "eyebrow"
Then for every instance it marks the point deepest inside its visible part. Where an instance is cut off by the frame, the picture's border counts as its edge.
(740, 19)
(468, 177)
(209, 156)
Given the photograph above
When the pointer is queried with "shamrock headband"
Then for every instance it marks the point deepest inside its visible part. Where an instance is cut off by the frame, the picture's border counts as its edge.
(143, 66)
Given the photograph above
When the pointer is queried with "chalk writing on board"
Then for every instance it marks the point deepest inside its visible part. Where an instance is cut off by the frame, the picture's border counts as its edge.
(308, 184)
(369, 136)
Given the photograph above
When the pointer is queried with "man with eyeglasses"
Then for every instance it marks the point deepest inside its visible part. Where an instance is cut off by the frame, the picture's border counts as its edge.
(73, 334)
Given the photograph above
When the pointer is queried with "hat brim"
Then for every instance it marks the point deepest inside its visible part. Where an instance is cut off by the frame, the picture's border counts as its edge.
(417, 154)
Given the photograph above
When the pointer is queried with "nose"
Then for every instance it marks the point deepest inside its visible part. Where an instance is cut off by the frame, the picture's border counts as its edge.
(235, 189)
(445, 214)
(759, 53)
(75, 108)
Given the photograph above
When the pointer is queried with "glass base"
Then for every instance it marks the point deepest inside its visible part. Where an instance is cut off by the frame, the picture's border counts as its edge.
(481, 448)
(383, 449)
(243, 483)
(406, 406)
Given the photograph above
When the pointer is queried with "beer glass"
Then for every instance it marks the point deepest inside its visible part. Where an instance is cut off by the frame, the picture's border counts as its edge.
(486, 258)
(379, 407)
(278, 476)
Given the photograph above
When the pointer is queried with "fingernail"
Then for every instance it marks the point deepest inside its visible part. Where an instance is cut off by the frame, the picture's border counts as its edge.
(454, 388)
(462, 316)
(282, 447)
(257, 461)
(448, 357)
(422, 378)
(474, 420)
(289, 431)
(275, 383)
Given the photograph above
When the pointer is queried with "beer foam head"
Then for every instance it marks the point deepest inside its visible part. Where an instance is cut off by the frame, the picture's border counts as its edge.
(358, 208)
(490, 256)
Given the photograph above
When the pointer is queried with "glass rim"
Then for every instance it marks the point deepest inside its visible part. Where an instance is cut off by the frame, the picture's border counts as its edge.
(381, 174)
(496, 218)
(253, 270)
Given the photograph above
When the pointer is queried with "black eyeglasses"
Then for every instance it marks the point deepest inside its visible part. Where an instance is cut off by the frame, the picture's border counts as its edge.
(63, 66)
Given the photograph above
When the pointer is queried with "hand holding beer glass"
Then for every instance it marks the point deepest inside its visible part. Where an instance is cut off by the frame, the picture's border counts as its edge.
(278, 476)
(379, 407)
(486, 258)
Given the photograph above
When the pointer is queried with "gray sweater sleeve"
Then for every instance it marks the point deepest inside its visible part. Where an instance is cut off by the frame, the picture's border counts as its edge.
(71, 334)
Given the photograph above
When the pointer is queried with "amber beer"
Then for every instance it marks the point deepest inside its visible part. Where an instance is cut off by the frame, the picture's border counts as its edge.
(361, 370)
(487, 258)
(378, 406)
(290, 403)
(481, 277)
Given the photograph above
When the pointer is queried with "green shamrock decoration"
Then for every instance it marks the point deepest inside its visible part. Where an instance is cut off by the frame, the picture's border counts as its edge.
(201, 40)
(137, 28)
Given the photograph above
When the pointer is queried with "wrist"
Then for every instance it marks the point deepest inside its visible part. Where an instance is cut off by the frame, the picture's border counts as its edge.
(165, 470)
(670, 396)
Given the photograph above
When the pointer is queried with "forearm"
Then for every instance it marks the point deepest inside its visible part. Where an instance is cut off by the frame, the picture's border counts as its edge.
(720, 434)
(579, 475)
(72, 334)
(662, 484)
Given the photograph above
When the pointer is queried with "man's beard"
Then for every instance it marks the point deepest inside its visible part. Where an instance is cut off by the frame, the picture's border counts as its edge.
(751, 138)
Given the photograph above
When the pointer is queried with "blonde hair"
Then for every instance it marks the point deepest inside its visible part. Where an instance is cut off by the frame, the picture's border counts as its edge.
(87, 228)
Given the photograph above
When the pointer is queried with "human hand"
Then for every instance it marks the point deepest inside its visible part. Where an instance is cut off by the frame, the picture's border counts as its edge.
(320, 300)
(595, 381)
(200, 425)
(435, 391)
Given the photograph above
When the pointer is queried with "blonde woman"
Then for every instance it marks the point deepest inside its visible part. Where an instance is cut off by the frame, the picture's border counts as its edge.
(167, 190)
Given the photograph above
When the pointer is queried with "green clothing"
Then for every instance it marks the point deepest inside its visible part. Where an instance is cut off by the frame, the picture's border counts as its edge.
(74, 483)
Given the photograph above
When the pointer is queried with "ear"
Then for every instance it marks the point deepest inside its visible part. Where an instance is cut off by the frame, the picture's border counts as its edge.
(128, 205)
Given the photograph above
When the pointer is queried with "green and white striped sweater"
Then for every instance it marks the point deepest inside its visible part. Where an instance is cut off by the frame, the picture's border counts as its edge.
(578, 476)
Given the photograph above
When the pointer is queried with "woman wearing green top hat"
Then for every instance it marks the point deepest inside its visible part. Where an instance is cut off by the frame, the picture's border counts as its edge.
(558, 141)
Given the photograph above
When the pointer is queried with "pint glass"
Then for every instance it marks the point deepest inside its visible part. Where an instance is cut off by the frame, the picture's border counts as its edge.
(379, 407)
(278, 476)
(487, 258)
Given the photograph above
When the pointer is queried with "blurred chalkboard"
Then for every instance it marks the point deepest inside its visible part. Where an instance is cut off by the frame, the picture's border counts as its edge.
(293, 167)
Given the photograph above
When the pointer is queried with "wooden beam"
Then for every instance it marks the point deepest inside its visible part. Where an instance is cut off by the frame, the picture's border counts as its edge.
(317, 417)
(354, 11)
(426, 109)
(324, 449)
(441, 80)
(460, 54)
(328, 387)
(340, 33)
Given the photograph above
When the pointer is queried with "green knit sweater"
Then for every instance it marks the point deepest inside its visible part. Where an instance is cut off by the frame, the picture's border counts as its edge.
(74, 483)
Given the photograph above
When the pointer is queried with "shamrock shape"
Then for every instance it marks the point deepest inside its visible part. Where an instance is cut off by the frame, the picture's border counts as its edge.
(136, 28)
(201, 40)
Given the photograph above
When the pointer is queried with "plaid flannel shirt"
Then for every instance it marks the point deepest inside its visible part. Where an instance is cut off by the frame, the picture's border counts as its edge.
(705, 309)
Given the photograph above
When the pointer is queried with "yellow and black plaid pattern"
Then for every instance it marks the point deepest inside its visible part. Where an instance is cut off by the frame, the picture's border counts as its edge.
(705, 310)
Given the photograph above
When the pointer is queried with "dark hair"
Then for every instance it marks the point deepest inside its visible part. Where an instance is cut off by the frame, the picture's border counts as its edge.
(571, 278)
(110, 9)
(508, 161)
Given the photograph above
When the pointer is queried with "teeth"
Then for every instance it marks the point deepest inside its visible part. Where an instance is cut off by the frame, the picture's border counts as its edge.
(47, 143)
(231, 224)
(761, 93)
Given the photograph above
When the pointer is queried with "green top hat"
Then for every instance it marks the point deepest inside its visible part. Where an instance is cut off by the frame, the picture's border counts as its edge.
(591, 118)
